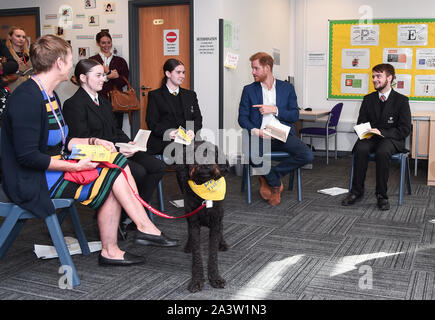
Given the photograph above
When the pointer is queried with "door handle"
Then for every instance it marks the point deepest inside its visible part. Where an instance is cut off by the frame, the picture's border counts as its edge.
(144, 87)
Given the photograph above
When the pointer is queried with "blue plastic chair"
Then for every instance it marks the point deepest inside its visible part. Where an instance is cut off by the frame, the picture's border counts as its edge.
(330, 130)
(160, 187)
(403, 159)
(274, 155)
(16, 217)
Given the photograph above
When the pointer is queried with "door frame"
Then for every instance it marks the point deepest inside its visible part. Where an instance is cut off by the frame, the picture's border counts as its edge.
(24, 12)
(133, 39)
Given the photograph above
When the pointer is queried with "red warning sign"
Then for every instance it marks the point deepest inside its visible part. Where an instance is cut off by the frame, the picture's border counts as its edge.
(171, 37)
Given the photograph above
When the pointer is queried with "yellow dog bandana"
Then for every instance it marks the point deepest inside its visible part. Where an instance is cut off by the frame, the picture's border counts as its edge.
(210, 190)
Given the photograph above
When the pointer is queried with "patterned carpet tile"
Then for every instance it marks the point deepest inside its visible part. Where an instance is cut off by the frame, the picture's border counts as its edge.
(383, 253)
(270, 272)
(422, 286)
(360, 282)
(382, 229)
(136, 285)
(313, 221)
(425, 258)
(404, 213)
(315, 245)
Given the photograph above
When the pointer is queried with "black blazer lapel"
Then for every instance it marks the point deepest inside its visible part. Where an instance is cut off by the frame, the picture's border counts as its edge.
(377, 105)
(168, 101)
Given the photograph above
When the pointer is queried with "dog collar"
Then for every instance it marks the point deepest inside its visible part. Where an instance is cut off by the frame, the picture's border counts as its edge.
(210, 190)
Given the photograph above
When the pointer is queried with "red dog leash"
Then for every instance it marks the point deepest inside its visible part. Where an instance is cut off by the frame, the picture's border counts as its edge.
(146, 205)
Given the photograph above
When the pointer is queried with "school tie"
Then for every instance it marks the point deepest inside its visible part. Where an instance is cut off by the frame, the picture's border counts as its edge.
(96, 101)
(383, 98)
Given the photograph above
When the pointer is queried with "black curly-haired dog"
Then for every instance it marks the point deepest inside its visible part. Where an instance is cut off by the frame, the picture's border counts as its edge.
(214, 167)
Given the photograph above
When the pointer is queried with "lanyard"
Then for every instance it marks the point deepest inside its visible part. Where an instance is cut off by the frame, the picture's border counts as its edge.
(45, 94)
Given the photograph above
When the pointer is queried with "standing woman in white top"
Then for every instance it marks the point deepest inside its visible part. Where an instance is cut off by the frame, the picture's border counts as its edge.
(115, 69)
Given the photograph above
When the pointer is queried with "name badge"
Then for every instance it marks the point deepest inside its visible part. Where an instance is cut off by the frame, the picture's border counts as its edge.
(390, 120)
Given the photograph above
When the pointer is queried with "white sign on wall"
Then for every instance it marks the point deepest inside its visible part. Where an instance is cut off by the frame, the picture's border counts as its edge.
(171, 42)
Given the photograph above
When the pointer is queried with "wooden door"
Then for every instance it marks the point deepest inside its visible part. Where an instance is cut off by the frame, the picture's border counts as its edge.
(153, 21)
(27, 22)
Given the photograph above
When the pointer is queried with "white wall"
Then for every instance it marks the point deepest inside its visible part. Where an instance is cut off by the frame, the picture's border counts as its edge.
(262, 26)
(206, 67)
(312, 35)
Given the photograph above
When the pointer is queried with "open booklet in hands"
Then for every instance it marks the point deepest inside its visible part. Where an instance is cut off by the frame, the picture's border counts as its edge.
(277, 130)
(182, 136)
(363, 131)
(96, 152)
(140, 140)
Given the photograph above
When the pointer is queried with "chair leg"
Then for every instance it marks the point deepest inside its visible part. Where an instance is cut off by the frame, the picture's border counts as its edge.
(79, 230)
(242, 187)
(336, 146)
(160, 194)
(408, 176)
(351, 175)
(248, 183)
(402, 174)
(327, 148)
(61, 216)
(10, 229)
(291, 180)
(62, 250)
(299, 185)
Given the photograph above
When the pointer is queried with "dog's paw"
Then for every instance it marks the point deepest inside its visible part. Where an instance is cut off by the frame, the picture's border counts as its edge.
(188, 248)
(217, 282)
(195, 285)
(223, 246)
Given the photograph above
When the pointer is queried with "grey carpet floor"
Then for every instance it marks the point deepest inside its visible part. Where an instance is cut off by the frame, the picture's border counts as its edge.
(315, 249)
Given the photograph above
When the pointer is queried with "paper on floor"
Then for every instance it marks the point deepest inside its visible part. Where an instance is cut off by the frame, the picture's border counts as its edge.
(335, 191)
(48, 252)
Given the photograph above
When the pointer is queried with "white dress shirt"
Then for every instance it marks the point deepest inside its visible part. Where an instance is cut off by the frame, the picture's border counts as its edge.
(269, 99)
(172, 91)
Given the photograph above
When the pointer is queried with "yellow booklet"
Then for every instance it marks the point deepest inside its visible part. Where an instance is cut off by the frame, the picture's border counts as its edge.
(82, 151)
(182, 137)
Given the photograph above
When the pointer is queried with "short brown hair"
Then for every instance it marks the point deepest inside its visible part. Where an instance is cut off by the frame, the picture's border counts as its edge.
(102, 34)
(263, 58)
(388, 68)
(45, 51)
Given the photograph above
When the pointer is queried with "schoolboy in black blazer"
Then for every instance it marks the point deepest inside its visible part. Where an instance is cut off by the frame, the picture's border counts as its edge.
(389, 114)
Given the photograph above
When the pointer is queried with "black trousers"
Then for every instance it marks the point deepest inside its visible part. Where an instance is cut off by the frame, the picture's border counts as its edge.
(147, 172)
(383, 148)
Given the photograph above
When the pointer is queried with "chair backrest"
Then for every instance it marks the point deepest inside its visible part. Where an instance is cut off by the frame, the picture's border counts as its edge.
(335, 114)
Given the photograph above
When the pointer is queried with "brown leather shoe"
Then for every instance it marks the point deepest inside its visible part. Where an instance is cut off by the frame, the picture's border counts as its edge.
(265, 190)
(275, 197)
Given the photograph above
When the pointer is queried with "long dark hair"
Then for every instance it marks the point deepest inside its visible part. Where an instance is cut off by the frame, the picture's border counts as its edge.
(83, 67)
(170, 65)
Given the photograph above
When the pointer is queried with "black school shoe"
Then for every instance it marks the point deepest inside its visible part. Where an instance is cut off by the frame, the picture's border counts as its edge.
(383, 203)
(351, 198)
(162, 240)
(128, 260)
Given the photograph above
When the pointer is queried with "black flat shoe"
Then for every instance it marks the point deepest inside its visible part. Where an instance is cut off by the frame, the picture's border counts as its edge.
(351, 198)
(146, 239)
(383, 203)
(129, 259)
